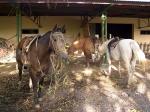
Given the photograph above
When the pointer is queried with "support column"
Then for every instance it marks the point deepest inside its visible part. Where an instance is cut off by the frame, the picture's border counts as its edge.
(104, 27)
(18, 24)
(104, 34)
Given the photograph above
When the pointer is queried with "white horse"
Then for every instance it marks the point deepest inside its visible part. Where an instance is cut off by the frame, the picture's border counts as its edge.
(126, 50)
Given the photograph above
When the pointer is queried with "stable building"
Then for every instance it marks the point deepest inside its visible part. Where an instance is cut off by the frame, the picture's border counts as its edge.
(125, 18)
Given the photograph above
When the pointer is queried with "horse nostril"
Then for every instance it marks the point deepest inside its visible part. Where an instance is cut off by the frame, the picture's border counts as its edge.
(25, 67)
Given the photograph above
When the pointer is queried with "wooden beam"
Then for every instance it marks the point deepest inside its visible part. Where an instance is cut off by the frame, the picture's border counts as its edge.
(35, 20)
(85, 26)
(18, 24)
(144, 26)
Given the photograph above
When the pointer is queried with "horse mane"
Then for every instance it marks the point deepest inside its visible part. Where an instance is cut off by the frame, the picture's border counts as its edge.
(58, 29)
(105, 43)
(47, 33)
(94, 39)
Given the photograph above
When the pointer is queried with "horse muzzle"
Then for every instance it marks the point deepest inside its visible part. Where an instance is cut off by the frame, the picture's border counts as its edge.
(63, 55)
(25, 68)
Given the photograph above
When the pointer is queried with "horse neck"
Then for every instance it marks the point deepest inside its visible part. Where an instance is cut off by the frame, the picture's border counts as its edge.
(44, 40)
(105, 45)
(42, 47)
(107, 42)
(78, 45)
(82, 42)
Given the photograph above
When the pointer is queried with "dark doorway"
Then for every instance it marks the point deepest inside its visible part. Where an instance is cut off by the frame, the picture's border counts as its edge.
(120, 30)
(30, 31)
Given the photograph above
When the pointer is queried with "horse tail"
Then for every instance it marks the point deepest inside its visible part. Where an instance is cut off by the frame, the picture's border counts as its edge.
(138, 53)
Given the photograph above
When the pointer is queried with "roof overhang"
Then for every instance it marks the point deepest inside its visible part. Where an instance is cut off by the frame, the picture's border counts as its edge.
(115, 8)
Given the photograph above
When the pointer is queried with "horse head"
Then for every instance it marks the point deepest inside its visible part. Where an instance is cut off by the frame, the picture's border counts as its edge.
(71, 49)
(103, 46)
(58, 42)
(59, 29)
(24, 52)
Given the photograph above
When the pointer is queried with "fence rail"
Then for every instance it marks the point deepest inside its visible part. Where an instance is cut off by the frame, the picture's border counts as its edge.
(145, 47)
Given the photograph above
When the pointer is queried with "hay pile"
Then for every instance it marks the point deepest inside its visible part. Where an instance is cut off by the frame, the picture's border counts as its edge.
(7, 52)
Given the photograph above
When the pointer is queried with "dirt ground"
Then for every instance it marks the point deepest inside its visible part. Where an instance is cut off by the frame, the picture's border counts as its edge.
(84, 90)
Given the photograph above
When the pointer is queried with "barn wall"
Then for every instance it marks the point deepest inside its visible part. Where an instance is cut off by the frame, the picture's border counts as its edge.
(136, 34)
(8, 25)
(72, 24)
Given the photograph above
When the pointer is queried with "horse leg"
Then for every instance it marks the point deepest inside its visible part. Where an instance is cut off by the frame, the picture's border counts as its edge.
(20, 73)
(107, 58)
(129, 69)
(87, 59)
(119, 68)
(40, 88)
(35, 83)
(30, 84)
(87, 63)
(109, 67)
(133, 63)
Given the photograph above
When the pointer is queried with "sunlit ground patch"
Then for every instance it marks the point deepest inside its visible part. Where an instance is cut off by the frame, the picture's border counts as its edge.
(87, 71)
(141, 88)
(89, 108)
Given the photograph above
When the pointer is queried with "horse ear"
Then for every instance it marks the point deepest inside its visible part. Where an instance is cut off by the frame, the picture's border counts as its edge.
(79, 34)
(63, 29)
(55, 27)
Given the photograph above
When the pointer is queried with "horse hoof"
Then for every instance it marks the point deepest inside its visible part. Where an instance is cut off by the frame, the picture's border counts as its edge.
(31, 90)
(19, 85)
(128, 86)
(107, 76)
(37, 106)
(40, 99)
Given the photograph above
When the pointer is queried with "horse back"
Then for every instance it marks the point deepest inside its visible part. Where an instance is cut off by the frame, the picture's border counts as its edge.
(23, 41)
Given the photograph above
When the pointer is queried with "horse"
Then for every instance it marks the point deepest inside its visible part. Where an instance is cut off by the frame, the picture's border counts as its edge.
(21, 55)
(126, 50)
(85, 44)
(38, 54)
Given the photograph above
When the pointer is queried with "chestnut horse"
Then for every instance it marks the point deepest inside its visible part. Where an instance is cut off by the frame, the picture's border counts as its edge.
(38, 57)
(86, 44)
(21, 55)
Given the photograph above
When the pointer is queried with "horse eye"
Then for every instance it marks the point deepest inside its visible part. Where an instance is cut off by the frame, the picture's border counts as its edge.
(55, 40)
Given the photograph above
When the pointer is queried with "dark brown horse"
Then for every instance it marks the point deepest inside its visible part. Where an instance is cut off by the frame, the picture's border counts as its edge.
(86, 44)
(38, 56)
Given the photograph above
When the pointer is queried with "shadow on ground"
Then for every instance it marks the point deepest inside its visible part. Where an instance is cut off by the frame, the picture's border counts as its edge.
(84, 90)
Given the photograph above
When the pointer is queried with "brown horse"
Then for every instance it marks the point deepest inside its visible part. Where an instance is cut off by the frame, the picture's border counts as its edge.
(38, 56)
(86, 44)
(21, 55)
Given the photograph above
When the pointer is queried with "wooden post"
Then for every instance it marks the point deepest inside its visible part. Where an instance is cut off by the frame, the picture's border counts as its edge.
(85, 26)
(18, 24)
